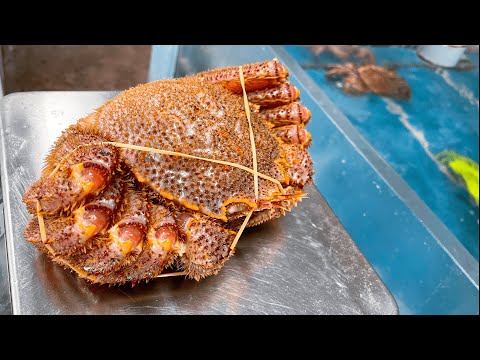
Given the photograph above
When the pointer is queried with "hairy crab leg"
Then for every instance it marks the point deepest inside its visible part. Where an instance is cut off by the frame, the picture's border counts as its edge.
(73, 170)
(161, 247)
(294, 113)
(257, 76)
(294, 134)
(275, 96)
(300, 170)
(124, 241)
(208, 246)
(68, 234)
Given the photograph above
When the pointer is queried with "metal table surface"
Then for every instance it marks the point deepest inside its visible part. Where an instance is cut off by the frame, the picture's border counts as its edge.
(303, 263)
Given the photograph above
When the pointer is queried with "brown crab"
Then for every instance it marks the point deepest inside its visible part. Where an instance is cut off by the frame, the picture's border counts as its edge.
(114, 213)
(358, 80)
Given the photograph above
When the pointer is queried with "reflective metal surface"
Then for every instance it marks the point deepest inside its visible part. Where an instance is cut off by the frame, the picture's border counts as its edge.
(5, 302)
(304, 263)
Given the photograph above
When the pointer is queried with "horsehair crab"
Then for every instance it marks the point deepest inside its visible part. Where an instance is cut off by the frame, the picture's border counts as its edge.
(114, 210)
(357, 80)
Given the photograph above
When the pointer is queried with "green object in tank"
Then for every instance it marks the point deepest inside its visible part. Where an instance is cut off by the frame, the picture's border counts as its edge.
(463, 169)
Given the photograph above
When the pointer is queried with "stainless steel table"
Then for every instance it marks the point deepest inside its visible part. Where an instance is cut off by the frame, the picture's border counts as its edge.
(303, 263)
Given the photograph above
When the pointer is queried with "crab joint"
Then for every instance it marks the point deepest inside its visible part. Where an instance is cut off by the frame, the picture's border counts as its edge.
(294, 113)
(89, 176)
(92, 218)
(127, 236)
(294, 134)
(162, 239)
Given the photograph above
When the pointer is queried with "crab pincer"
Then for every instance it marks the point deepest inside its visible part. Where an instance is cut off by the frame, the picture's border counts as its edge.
(78, 165)
(67, 234)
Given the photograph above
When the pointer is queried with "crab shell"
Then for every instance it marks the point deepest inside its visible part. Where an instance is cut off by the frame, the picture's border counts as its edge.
(119, 214)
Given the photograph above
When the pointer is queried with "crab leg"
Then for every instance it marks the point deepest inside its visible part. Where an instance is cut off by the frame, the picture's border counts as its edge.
(124, 241)
(161, 247)
(208, 246)
(294, 113)
(300, 170)
(294, 134)
(275, 96)
(257, 76)
(67, 234)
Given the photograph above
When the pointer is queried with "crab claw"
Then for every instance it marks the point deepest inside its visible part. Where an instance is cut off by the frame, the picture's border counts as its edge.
(84, 170)
(67, 234)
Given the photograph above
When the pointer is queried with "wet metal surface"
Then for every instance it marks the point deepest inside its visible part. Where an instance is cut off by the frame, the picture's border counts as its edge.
(304, 263)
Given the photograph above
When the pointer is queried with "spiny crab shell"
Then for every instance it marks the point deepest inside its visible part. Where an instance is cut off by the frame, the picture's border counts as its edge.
(116, 214)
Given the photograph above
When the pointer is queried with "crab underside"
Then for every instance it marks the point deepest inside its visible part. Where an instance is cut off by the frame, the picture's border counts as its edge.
(111, 208)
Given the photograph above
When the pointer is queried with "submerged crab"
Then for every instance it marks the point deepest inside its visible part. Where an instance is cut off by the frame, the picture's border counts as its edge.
(369, 78)
(117, 214)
